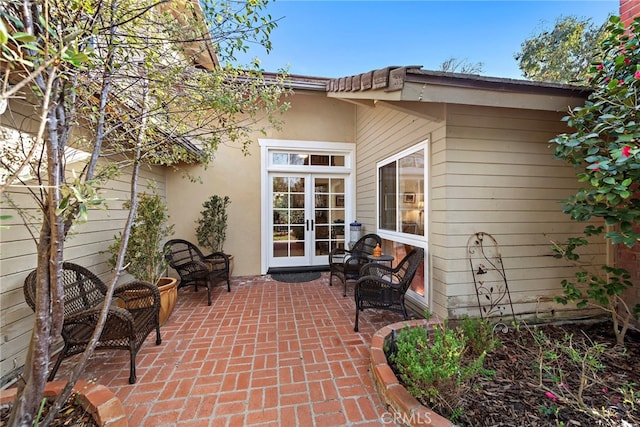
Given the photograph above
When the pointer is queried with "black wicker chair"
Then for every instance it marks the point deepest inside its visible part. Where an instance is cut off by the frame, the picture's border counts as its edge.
(345, 264)
(194, 268)
(383, 287)
(131, 318)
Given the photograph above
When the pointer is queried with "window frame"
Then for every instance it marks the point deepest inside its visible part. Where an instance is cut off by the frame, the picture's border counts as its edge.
(397, 235)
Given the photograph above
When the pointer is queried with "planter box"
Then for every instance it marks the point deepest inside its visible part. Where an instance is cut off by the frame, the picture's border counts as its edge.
(403, 408)
(104, 406)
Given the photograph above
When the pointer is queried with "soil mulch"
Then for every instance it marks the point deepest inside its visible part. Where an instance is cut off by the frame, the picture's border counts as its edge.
(518, 396)
(71, 414)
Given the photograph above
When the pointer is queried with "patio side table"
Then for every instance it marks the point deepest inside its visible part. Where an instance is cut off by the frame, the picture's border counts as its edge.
(381, 259)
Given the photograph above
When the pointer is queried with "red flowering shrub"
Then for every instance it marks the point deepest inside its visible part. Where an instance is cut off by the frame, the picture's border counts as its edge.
(605, 150)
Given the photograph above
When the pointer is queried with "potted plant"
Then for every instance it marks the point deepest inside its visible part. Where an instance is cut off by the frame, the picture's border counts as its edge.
(144, 258)
(211, 231)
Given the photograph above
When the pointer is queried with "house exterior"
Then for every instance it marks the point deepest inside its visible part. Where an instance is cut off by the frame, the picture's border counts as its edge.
(425, 159)
(422, 158)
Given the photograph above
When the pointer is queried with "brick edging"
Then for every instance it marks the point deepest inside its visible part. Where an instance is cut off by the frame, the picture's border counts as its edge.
(105, 407)
(403, 407)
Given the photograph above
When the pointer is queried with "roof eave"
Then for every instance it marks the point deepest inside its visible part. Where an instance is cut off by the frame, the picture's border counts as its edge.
(414, 84)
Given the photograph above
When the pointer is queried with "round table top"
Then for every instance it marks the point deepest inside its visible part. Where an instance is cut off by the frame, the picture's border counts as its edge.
(381, 258)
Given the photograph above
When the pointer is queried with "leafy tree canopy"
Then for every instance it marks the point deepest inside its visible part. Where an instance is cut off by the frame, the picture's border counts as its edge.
(562, 54)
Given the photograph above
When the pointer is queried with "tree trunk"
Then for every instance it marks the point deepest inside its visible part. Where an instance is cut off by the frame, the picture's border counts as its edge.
(49, 309)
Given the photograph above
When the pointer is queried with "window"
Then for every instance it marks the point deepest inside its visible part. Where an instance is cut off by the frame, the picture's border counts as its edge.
(306, 159)
(401, 183)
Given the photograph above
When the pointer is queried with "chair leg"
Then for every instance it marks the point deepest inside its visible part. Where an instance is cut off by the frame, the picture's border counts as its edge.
(132, 368)
(158, 338)
(208, 294)
(331, 279)
(404, 311)
(355, 296)
(52, 375)
(228, 284)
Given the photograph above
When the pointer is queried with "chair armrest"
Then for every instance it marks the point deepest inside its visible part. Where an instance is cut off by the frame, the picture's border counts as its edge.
(192, 267)
(85, 321)
(137, 294)
(339, 252)
(338, 255)
(384, 282)
(217, 259)
(376, 269)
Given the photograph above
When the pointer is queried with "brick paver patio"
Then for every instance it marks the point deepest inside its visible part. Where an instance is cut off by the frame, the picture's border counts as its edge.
(266, 354)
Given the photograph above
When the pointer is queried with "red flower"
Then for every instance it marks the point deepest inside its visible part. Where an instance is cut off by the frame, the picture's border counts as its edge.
(551, 395)
(620, 82)
(637, 75)
(600, 67)
(627, 61)
(626, 151)
(596, 169)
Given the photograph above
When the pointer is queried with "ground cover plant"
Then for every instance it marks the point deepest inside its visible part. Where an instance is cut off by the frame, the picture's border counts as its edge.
(547, 375)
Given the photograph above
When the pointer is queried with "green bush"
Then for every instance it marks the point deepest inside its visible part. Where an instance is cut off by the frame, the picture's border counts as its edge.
(437, 366)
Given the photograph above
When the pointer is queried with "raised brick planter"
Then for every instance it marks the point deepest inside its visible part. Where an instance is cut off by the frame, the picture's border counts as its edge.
(403, 408)
(106, 408)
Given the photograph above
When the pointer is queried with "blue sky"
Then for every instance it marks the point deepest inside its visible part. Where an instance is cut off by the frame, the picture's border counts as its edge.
(341, 38)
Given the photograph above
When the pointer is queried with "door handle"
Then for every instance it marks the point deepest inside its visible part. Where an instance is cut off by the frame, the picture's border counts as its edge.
(307, 223)
(312, 225)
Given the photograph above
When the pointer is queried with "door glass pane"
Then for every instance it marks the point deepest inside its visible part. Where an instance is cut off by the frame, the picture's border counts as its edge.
(288, 217)
(297, 200)
(280, 158)
(319, 160)
(329, 214)
(279, 184)
(298, 159)
(296, 185)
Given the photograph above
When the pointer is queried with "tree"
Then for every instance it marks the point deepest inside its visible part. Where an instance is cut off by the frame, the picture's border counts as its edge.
(123, 72)
(455, 65)
(605, 151)
(563, 54)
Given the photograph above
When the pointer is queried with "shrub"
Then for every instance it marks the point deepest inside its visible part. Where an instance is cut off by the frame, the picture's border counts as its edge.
(438, 366)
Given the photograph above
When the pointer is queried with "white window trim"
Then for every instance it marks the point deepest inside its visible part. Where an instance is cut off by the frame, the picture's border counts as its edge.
(348, 149)
(396, 236)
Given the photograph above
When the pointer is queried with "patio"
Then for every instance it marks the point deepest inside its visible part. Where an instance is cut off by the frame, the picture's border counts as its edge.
(266, 354)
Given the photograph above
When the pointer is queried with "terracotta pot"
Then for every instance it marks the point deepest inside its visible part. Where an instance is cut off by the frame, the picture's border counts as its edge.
(230, 265)
(168, 287)
(104, 406)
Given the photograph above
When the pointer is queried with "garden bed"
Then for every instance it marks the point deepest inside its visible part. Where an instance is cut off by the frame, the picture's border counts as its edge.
(536, 382)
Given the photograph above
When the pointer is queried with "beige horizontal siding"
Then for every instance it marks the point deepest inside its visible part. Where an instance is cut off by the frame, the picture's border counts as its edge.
(381, 133)
(86, 245)
(497, 174)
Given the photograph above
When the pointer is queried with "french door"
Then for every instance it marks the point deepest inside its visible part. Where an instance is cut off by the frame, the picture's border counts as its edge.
(307, 218)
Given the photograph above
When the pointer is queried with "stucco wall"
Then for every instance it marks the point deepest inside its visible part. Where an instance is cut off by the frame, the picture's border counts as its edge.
(311, 117)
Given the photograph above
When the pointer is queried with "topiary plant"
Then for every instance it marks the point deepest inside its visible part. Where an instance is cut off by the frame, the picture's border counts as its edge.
(212, 224)
(144, 258)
